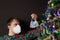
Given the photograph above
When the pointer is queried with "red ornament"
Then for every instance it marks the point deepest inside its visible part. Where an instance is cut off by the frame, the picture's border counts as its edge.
(58, 8)
(17, 36)
(29, 33)
(7, 39)
(23, 36)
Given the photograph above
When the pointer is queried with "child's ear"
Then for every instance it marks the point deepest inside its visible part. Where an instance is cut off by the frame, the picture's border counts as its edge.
(9, 27)
(31, 15)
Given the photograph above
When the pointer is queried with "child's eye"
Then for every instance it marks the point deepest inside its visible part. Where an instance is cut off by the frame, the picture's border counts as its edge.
(15, 24)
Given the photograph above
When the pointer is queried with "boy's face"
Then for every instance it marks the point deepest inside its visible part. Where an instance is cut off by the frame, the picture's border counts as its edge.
(13, 24)
(34, 16)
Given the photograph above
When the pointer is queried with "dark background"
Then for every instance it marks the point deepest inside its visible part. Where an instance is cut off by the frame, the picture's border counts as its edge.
(21, 9)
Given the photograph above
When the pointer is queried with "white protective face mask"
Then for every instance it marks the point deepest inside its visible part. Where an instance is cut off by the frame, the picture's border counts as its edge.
(17, 29)
(33, 24)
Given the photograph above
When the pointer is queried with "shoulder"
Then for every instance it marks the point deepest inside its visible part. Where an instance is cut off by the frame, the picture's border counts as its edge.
(6, 37)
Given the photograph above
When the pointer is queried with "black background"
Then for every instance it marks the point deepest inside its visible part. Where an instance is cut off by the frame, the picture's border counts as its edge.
(21, 9)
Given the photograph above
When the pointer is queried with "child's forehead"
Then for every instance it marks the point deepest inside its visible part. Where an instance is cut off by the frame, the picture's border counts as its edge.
(15, 21)
(33, 14)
